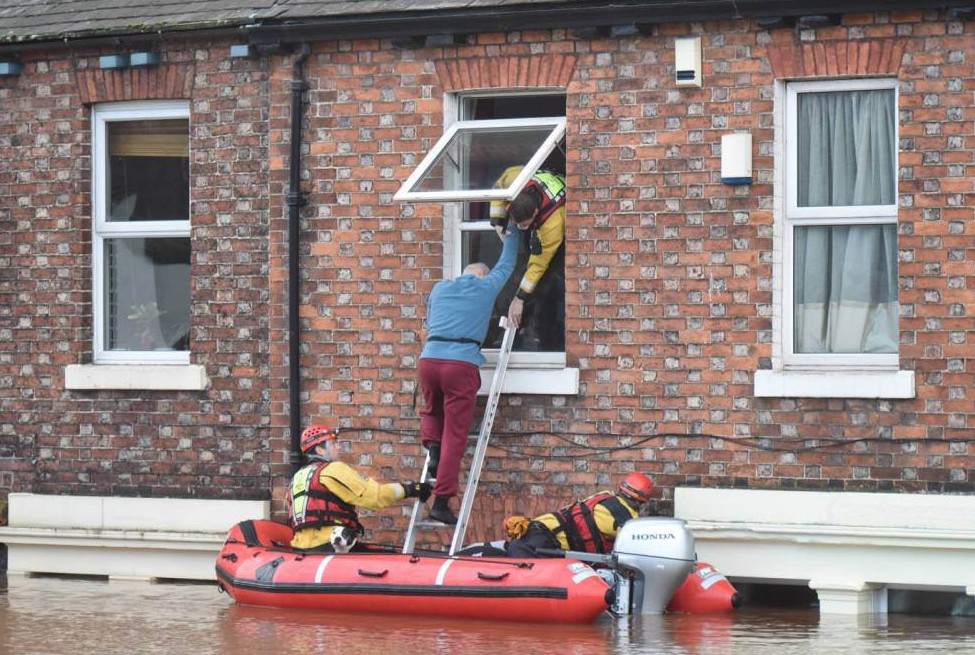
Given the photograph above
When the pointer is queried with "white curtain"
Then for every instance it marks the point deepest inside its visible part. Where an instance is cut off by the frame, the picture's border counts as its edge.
(846, 275)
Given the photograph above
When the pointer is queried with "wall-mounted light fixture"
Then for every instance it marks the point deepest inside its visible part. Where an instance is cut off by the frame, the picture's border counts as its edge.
(736, 158)
(773, 22)
(242, 50)
(10, 68)
(113, 61)
(142, 59)
(626, 29)
(961, 13)
(818, 20)
(443, 40)
(687, 61)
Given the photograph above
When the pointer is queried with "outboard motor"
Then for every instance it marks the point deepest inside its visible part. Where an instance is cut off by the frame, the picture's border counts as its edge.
(659, 554)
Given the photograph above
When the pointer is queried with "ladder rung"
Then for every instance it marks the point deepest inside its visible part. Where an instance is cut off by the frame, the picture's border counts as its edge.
(433, 524)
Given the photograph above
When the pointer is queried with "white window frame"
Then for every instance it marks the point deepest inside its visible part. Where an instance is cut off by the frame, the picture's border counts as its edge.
(867, 375)
(103, 229)
(557, 131)
(528, 372)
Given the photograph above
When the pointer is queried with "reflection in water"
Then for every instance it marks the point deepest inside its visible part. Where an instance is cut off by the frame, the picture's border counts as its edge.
(52, 616)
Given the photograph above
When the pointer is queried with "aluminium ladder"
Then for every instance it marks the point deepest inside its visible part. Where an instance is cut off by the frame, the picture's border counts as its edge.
(487, 422)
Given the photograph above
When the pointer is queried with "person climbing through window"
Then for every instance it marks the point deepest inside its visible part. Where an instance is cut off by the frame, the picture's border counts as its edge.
(458, 313)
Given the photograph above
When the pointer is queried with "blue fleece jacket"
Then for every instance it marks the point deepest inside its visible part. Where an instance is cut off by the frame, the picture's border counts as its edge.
(461, 308)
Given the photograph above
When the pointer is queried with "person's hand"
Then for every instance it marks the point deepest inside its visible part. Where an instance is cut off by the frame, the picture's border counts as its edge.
(500, 229)
(421, 490)
(515, 310)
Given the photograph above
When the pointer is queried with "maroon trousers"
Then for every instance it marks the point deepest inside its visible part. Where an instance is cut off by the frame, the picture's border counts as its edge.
(449, 395)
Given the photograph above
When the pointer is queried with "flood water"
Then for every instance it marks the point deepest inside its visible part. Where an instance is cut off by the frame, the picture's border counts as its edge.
(62, 616)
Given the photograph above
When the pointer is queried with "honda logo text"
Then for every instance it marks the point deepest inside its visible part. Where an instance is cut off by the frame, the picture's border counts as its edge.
(647, 536)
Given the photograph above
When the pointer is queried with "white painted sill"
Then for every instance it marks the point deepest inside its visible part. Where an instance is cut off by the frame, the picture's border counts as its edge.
(534, 381)
(834, 384)
(148, 377)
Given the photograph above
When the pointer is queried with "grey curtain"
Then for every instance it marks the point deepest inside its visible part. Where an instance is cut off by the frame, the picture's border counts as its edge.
(846, 276)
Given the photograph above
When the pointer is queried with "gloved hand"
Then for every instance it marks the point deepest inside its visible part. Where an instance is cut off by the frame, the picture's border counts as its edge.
(515, 526)
(421, 490)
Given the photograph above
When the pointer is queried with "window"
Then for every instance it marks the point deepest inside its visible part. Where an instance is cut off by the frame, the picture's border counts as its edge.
(141, 233)
(839, 296)
(841, 224)
(487, 155)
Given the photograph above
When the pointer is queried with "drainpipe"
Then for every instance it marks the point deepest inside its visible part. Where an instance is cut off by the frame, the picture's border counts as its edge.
(295, 201)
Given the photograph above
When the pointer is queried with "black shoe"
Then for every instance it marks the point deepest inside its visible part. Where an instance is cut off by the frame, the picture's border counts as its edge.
(434, 463)
(442, 515)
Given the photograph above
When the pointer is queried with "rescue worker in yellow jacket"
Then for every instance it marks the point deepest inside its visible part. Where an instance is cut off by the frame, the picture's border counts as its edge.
(589, 525)
(539, 210)
(325, 493)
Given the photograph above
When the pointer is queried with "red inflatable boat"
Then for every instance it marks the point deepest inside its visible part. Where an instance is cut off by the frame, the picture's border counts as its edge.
(705, 590)
(257, 567)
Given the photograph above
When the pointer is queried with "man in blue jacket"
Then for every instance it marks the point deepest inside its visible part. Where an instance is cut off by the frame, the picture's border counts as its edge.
(458, 313)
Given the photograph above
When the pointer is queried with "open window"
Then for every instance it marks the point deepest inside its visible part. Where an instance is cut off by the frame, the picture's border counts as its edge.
(467, 161)
(491, 147)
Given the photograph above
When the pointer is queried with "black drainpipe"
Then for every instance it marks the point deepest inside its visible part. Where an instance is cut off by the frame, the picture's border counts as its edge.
(295, 201)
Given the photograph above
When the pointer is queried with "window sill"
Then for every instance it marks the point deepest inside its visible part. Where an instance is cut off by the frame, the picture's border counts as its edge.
(149, 377)
(834, 384)
(538, 381)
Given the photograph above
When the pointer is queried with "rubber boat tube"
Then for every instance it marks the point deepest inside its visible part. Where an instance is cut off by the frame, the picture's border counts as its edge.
(257, 567)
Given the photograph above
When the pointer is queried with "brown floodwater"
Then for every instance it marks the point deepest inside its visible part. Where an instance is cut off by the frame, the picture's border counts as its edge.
(69, 616)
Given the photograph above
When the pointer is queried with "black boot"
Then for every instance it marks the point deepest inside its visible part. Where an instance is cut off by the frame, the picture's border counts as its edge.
(434, 461)
(441, 510)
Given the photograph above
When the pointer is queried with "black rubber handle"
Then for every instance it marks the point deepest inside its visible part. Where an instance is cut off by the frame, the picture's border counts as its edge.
(374, 574)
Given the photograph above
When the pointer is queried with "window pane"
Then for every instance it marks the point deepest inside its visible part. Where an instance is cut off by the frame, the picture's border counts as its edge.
(845, 289)
(543, 322)
(148, 167)
(473, 159)
(846, 148)
(147, 292)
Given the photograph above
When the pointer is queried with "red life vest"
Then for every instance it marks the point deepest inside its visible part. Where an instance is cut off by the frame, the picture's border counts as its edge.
(550, 187)
(312, 505)
(579, 524)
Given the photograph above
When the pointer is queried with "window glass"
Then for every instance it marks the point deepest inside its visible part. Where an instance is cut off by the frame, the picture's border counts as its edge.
(147, 283)
(842, 220)
(474, 158)
(846, 148)
(466, 161)
(149, 170)
(846, 289)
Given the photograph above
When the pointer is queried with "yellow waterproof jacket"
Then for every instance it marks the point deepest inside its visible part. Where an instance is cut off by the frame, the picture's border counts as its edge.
(607, 524)
(351, 487)
(551, 233)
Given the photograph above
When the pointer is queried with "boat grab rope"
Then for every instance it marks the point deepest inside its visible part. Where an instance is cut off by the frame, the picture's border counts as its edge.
(380, 550)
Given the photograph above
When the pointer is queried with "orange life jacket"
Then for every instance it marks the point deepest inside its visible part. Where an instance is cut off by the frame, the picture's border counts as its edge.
(312, 505)
(579, 524)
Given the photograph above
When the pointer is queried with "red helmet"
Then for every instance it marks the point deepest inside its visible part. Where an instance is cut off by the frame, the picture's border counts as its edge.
(315, 435)
(636, 487)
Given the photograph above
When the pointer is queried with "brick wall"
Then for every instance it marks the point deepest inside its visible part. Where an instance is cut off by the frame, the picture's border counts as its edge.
(211, 444)
(669, 272)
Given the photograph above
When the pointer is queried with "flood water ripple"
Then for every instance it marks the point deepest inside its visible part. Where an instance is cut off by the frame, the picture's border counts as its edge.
(58, 616)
